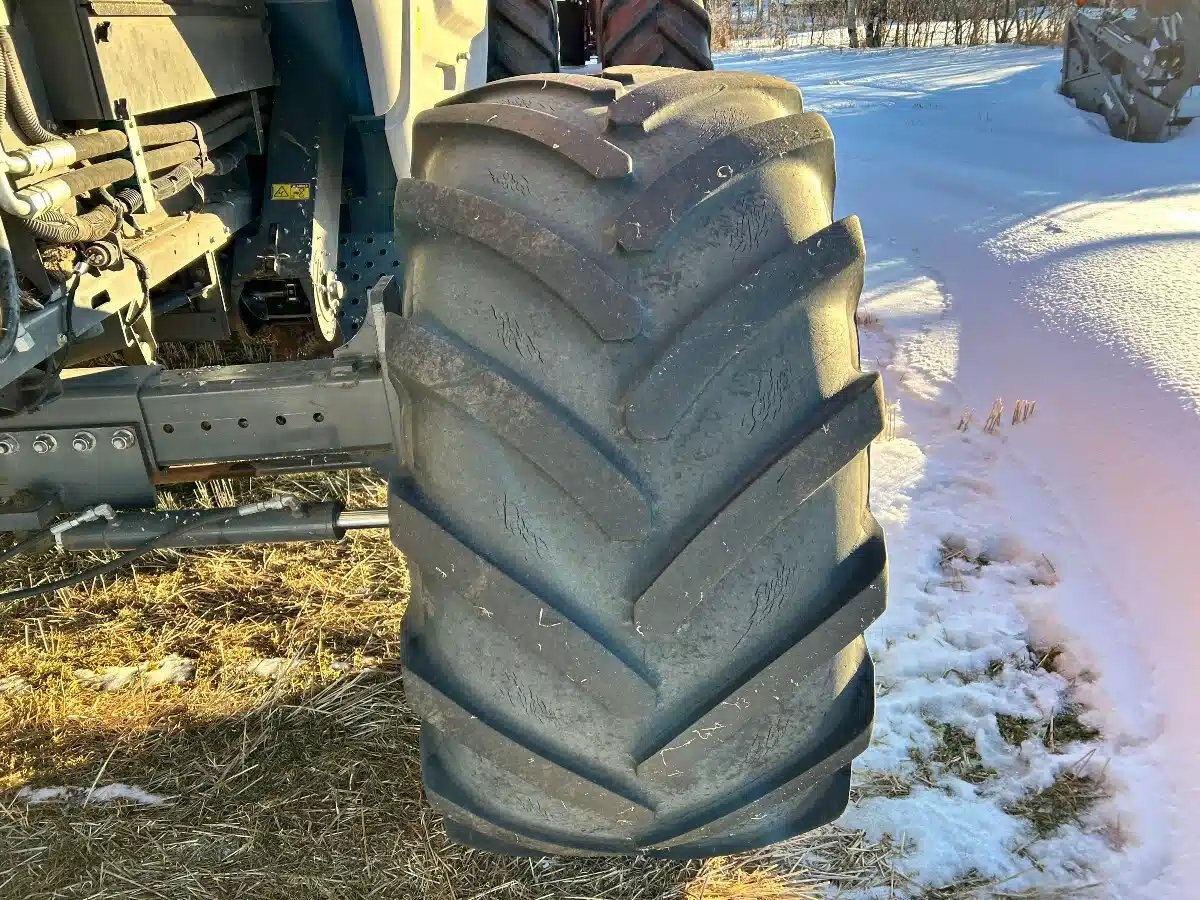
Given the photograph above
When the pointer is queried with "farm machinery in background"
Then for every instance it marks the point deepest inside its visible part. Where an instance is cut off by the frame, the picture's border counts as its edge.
(1137, 67)
(543, 35)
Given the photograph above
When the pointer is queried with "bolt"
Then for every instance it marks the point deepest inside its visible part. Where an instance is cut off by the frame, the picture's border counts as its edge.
(123, 439)
(44, 443)
(84, 442)
(8, 444)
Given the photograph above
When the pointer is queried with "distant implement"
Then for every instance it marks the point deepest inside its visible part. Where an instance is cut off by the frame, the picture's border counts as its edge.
(1138, 67)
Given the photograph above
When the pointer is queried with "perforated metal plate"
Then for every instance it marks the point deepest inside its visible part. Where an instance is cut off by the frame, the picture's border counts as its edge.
(362, 259)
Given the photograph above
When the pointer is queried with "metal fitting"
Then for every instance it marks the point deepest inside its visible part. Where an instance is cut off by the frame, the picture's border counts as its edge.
(103, 511)
(102, 254)
(44, 443)
(123, 439)
(8, 444)
(336, 290)
(84, 442)
(42, 158)
(49, 194)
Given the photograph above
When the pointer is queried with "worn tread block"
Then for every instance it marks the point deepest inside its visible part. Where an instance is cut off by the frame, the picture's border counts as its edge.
(596, 156)
(822, 448)
(581, 284)
(452, 720)
(528, 424)
(807, 274)
(542, 629)
(766, 684)
(843, 742)
(596, 90)
(665, 204)
(654, 101)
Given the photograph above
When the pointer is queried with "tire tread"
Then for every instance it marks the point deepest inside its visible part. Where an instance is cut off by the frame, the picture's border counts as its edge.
(672, 368)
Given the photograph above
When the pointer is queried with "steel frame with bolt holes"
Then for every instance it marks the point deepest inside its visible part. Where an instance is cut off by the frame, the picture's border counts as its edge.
(116, 433)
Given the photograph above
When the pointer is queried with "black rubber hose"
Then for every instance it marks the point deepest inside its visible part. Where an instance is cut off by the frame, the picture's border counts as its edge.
(104, 143)
(101, 143)
(24, 109)
(10, 292)
(10, 295)
(31, 544)
(230, 131)
(157, 135)
(94, 225)
(59, 228)
(90, 178)
(172, 183)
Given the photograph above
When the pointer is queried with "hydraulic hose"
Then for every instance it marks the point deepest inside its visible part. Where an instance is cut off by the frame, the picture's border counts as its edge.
(31, 544)
(63, 152)
(222, 164)
(101, 175)
(157, 135)
(53, 191)
(10, 292)
(24, 110)
(94, 225)
(165, 539)
(59, 228)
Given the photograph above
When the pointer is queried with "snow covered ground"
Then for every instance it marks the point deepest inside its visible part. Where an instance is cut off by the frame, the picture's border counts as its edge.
(1018, 252)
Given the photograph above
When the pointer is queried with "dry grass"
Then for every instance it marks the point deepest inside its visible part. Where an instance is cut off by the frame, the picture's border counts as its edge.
(1066, 727)
(1014, 729)
(304, 785)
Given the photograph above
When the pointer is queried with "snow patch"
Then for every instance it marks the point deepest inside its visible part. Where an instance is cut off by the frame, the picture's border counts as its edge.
(14, 685)
(273, 667)
(171, 669)
(110, 678)
(1017, 251)
(353, 663)
(76, 796)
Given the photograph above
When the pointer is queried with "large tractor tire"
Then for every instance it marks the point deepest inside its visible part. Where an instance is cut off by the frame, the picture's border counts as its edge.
(522, 38)
(637, 434)
(655, 33)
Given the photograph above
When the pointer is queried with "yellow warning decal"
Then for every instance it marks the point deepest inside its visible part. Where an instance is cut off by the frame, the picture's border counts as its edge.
(291, 192)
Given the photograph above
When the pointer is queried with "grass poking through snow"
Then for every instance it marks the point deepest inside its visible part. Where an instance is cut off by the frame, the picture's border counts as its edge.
(1068, 799)
(957, 755)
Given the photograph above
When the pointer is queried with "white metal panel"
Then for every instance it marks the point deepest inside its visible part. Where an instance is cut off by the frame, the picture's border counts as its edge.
(418, 53)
